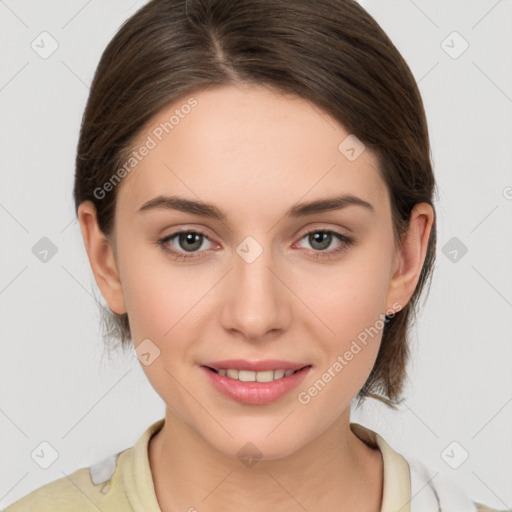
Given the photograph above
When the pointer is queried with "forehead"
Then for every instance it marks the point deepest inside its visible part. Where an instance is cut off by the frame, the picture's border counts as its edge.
(249, 147)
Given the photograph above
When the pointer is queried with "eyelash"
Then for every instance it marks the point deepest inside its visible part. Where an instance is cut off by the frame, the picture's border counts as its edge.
(346, 242)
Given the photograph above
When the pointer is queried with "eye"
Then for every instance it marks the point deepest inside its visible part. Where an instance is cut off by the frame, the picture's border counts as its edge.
(321, 239)
(185, 246)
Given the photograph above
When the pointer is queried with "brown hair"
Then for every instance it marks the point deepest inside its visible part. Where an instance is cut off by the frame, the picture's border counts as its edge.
(330, 52)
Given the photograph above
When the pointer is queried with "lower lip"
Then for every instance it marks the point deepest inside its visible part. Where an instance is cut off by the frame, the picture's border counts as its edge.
(255, 393)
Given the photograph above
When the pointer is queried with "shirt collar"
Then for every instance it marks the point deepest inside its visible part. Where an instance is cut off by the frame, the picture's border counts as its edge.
(396, 493)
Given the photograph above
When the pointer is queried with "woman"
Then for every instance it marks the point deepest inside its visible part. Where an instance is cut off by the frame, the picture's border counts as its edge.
(255, 193)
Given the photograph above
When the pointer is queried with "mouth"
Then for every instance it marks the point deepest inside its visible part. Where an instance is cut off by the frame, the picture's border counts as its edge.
(255, 376)
(255, 383)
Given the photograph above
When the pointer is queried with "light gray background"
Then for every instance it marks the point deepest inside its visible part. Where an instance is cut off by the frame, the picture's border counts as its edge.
(55, 384)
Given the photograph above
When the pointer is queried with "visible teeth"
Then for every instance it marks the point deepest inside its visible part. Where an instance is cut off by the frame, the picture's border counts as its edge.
(246, 375)
(267, 376)
(278, 374)
(233, 374)
(252, 376)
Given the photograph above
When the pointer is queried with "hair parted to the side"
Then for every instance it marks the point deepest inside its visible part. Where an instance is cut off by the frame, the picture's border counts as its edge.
(329, 52)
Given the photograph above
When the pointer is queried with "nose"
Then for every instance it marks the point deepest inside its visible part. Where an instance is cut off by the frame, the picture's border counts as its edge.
(257, 303)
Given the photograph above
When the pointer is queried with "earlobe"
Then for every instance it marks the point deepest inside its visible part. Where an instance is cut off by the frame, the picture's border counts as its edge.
(411, 255)
(101, 258)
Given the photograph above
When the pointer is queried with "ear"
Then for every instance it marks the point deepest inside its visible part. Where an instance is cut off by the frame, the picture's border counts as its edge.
(410, 256)
(101, 257)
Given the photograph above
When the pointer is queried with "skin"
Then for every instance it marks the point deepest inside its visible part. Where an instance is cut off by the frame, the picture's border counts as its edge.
(254, 154)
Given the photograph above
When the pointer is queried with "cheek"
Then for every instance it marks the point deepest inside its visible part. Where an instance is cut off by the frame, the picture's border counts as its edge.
(161, 297)
(148, 298)
(350, 296)
(349, 302)
(144, 286)
(163, 303)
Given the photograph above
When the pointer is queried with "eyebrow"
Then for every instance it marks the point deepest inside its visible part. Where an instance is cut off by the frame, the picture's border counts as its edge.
(209, 210)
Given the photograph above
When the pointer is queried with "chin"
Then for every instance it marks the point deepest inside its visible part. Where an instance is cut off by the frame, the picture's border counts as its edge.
(259, 439)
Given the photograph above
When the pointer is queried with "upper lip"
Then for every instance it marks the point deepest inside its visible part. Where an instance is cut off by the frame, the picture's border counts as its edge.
(256, 366)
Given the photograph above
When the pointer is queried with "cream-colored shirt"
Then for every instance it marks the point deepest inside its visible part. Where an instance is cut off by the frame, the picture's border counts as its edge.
(123, 482)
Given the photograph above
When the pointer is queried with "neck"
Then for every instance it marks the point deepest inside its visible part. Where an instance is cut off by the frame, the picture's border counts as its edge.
(333, 472)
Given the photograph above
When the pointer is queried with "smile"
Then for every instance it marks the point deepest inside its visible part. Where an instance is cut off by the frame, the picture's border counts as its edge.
(267, 383)
(253, 376)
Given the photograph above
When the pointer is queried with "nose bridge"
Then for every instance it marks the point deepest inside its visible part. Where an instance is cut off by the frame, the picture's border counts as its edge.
(255, 303)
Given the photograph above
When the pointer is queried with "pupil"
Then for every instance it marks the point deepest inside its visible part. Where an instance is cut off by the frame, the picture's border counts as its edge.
(189, 238)
(317, 238)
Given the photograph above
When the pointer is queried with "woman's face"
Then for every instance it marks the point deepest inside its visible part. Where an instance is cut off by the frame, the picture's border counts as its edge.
(259, 283)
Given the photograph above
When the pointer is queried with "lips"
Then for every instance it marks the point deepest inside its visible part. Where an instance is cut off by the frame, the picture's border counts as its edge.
(255, 366)
(253, 391)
